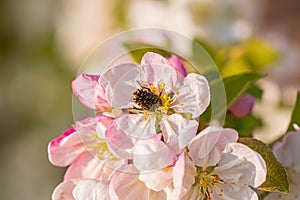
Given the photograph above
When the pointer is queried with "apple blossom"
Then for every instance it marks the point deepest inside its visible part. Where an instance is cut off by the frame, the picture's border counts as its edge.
(287, 152)
(216, 167)
(159, 99)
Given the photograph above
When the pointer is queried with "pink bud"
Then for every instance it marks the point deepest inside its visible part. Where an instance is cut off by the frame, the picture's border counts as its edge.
(242, 106)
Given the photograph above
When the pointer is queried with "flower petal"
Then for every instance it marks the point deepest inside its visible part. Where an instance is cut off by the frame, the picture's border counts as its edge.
(287, 150)
(206, 148)
(119, 83)
(123, 133)
(178, 131)
(89, 92)
(86, 166)
(158, 73)
(174, 61)
(184, 173)
(126, 185)
(64, 149)
(64, 190)
(232, 192)
(91, 190)
(194, 95)
(152, 154)
(177, 63)
(159, 179)
(92, 126)
(153, 58)
(241, 165)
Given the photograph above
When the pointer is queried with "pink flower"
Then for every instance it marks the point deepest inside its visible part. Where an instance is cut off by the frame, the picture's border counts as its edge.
(156, 97)
(287, 152)
(90, 93)
(242, 106)
(216, 167)
(84, 149)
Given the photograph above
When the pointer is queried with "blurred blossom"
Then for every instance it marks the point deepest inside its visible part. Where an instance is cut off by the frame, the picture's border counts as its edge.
(81, 26)
(172, 15)
(287, 152)
(242, 106)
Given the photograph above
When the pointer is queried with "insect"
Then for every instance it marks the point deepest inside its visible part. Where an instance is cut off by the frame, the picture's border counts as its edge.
(146, 99)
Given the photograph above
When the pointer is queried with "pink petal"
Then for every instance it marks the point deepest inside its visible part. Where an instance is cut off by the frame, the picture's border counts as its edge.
(125, 131)
(127, 186)
(92, 126)
(64, 149)
(178, 131)
(177, 63)
(91, 190)
(242, 106)
(119, 83)
(152, 154)
(184, 173)
(159, 179)
(89, 92)
(155, 61)
(241, 165)
(64, 190)
(206, 148)
(86, 166)
(153, 58)
(119, 143)
(157, 73)
(194, 95)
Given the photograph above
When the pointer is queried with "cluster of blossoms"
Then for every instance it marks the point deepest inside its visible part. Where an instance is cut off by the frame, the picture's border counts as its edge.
(144, 142)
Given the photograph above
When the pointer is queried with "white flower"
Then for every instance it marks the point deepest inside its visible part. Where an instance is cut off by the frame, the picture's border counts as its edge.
(216, 167)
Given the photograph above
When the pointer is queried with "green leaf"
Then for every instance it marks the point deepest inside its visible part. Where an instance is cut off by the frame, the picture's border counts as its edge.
(276, 180)
(296, 114)
(236, 85)
(244, 126)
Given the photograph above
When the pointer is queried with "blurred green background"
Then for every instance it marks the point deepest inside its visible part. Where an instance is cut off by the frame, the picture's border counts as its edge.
(42, 44)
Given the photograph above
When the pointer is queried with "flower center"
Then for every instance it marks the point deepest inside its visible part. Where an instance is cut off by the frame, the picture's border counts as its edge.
(146, 99)
(206, 180)
(153, 99)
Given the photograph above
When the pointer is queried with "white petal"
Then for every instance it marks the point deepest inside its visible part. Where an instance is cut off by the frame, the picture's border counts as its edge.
(64, 190)
(157, 73)
(119, 83)
(184, 173)
(123, 133)
(178, 131)
(287, 150)
(233, 192)
(159, 179)
(206, 148)
(137, 125)
(152, 154)
(241, 165)
(153, 58)
(91, 190)
(127, 186)
(194, 95)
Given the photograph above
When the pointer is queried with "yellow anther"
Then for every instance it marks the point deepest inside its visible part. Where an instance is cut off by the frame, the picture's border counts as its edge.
(161, 85)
